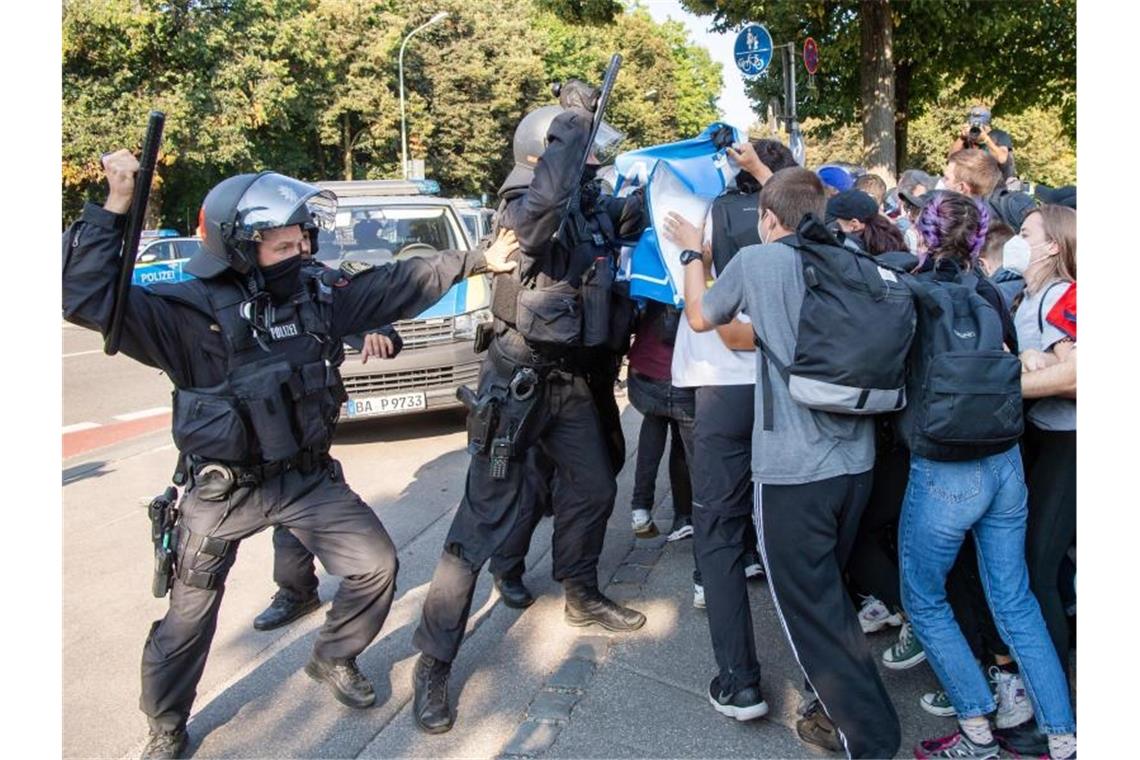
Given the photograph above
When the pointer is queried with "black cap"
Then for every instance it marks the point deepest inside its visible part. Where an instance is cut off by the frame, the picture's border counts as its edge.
(852, 204)
(918, 201)
(1061, 196)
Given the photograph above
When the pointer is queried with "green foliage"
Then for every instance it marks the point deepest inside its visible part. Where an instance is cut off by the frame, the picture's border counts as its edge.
(1041, 148)
(311, 88)
(1015, 55)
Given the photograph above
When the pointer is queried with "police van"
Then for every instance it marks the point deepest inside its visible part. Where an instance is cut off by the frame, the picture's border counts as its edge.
(388, 220)
(377, 222)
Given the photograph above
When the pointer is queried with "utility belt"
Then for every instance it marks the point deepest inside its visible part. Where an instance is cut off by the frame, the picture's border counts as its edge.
(215, 480)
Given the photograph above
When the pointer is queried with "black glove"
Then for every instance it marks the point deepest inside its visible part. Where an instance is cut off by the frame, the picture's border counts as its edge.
(577, 94)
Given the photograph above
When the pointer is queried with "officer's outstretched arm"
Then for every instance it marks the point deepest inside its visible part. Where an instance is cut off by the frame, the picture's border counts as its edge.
(154, 330)
(536, 215)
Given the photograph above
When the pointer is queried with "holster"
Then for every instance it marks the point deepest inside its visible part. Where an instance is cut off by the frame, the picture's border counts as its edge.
(163, 514)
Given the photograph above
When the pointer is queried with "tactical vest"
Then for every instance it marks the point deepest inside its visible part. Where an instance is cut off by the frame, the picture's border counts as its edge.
(282, 393)
(736, 222)
(563, 301)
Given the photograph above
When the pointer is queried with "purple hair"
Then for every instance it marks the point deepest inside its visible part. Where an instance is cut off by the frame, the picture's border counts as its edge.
(947, 228)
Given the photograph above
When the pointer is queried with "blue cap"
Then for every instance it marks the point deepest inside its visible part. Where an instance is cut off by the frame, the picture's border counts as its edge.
(836, 177)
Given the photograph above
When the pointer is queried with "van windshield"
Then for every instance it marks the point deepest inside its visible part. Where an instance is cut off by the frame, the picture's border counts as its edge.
(381, 233)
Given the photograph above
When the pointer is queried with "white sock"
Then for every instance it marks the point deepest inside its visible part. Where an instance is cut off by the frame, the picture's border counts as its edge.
(1062, 745)
(977, 729)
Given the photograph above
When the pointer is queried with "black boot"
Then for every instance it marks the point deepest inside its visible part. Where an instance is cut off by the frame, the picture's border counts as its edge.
(429, 678)
(164, 745)
(585, 604)
(514, 593)
(348, 684)
(285, 608)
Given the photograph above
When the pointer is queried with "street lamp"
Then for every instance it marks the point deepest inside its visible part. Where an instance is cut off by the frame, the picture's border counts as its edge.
(403, 115)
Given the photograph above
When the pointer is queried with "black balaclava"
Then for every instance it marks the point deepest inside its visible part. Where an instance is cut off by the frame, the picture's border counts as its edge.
(283, 279)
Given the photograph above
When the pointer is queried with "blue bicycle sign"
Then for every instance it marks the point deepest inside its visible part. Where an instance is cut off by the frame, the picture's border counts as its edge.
(753, 50)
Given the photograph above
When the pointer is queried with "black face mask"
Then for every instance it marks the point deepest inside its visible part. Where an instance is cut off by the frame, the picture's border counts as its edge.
(589, 173)
(283, 279)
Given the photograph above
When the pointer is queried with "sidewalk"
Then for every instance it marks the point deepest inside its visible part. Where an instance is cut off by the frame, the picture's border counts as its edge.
(528, 685)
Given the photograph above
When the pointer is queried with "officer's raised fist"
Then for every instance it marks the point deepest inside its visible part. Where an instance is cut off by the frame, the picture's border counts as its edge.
(120, 168)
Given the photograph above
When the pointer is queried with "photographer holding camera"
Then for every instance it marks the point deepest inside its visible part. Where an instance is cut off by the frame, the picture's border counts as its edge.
(979, 134)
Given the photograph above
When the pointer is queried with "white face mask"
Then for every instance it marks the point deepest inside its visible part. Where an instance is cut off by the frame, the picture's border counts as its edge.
(940, 184)
(1017, 254)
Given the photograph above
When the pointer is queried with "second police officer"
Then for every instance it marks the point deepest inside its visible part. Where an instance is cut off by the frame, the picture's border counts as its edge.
(552, 340)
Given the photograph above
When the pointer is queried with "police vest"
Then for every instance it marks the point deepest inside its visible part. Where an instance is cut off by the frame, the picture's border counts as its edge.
(282, 393)
(564, 300)
(736, 221)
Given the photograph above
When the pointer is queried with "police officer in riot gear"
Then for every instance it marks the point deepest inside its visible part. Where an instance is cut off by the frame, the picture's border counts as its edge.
(251, 347)
(552, 325)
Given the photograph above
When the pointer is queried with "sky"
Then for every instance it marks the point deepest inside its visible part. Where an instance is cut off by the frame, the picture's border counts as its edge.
(732, 102)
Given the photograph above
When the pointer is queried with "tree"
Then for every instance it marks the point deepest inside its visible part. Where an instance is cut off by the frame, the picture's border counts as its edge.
(1013, 55)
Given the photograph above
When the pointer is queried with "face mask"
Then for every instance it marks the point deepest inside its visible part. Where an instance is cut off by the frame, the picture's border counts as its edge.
(1022, 255)
(589, 173)
(283, 279)
(1015, 255)
(763, 240)
(940, 184)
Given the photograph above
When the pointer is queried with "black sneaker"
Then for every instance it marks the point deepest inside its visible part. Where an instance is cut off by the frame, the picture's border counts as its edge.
(817, 729)
(743, 704)
(164, 745)
(585, 605)
(1024, 739)
(348, 684)
(285, 608)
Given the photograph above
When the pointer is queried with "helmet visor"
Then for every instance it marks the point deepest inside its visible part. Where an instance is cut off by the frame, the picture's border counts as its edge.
(607, 142)
(274, 200)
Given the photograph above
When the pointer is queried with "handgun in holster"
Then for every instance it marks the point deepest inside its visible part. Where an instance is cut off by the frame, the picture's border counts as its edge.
(482, 419)
(163, 513)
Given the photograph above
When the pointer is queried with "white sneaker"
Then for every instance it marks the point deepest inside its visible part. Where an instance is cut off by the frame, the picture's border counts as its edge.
(1014, 707)
(643, 526)
(874, 615)
(754, 568)
(698, 596)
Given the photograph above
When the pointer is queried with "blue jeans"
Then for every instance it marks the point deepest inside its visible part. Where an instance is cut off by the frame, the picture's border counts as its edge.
(987, 496)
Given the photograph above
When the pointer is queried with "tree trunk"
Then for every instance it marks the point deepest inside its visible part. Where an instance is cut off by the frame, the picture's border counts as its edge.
(347, 150)
(902, 113)
(877, 88)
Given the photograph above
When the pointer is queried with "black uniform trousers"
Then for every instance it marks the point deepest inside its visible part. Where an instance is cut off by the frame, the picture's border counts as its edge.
(806, 535)
(723, 533)
(509, 560)
(327, 517)
(564, 422)
(294, 573)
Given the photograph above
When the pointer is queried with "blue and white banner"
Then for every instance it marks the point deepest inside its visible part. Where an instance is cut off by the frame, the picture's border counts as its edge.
(683, 177)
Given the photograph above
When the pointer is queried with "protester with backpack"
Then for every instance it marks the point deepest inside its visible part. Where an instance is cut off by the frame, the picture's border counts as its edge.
(962, 423)
(812, 468)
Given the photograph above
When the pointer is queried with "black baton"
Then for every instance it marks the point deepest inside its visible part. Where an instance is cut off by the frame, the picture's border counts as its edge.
(133, 230)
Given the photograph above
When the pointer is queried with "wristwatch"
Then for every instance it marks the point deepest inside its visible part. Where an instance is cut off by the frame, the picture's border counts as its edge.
(689, 255)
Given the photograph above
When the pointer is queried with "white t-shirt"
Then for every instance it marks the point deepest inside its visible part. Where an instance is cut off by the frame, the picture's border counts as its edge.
(703, 359)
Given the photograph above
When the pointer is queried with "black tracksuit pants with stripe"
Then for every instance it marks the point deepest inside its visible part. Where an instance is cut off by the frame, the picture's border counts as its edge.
(806, 534)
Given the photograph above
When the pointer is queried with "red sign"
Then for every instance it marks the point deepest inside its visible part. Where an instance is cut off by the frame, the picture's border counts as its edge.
(811, 55)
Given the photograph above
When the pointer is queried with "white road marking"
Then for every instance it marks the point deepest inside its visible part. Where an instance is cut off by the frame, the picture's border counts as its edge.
(83, 353)
(144, 413)
(80, 426)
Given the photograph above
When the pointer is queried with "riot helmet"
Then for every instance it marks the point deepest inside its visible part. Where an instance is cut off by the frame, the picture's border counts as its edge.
(238, 209)
(531, 134)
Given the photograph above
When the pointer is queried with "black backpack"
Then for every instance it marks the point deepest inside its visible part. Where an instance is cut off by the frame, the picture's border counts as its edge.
(964, 388)
(736, 222)
(855, 331)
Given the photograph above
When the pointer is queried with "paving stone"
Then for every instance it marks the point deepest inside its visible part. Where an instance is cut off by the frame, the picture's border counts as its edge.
(532, 738)
(552, 706)
(643, 557)
(592, 648)
(631, 574)
(573, 674)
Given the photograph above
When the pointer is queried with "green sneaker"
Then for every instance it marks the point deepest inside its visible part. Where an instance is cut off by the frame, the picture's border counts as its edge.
(938, 703)
(907, 651)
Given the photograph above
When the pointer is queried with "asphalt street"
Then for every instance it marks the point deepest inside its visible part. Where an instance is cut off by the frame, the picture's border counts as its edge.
(525, 684)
